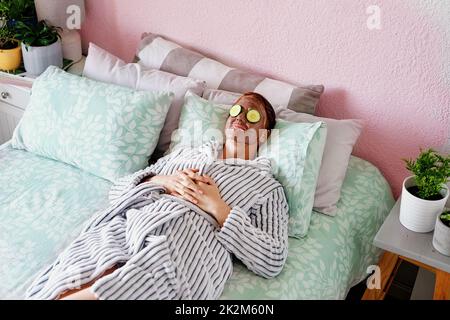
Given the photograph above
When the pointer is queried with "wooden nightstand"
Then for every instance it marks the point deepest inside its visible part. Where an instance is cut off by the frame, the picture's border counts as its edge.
(15, 91)
(401, 244)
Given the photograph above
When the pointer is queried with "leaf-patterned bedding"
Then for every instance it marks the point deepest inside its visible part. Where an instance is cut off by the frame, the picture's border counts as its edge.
(44, 204)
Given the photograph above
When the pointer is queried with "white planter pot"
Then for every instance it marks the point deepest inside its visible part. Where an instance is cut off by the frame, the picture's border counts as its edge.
(417, 214)
(441, 237)
(37, 59)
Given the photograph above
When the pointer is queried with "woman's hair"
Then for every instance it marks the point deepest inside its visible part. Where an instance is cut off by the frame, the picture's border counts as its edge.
(267, 107)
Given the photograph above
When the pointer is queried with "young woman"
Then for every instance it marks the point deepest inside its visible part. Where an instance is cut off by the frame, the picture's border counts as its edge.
(172, 228)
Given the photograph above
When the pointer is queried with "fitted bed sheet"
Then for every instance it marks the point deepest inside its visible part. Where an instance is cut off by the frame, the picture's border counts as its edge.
(45, 203)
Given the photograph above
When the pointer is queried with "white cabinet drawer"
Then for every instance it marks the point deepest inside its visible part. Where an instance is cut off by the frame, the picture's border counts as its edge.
(9, 118)
(14, 95)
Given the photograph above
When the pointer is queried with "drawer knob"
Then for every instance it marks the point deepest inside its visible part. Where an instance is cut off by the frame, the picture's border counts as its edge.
(5, 95)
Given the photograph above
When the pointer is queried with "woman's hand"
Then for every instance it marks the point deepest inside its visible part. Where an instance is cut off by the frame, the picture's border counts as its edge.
(183, 183)
(200, 190)
(210, 201)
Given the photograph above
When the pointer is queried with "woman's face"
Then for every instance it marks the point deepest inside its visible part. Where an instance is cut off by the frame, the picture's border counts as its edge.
(239, 126)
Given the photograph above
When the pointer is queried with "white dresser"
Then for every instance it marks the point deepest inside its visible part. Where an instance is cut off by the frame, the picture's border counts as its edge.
(13, 102)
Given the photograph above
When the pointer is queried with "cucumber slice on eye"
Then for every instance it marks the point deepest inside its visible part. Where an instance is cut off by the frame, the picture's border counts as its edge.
(253, 116)
(235, 110)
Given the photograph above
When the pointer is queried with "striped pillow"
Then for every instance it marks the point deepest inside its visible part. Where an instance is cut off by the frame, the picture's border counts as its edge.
(158, 53)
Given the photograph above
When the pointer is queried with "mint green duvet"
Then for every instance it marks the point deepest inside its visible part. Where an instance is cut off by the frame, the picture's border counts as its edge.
(45, 203)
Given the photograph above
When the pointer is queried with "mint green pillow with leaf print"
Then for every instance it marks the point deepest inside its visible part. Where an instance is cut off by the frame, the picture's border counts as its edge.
(295, 151)
(104, 129)
(200, 121)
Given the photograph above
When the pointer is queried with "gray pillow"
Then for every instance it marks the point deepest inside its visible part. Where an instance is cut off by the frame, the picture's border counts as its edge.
(341, 137)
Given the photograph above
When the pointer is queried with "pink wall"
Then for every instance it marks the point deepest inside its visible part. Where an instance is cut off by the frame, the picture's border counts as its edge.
(396, 78)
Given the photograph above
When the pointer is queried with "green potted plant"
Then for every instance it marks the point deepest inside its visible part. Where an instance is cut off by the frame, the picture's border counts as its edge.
(41, 46)
(17, 10)
(441, 237)
(5, 6)
(10, 55)
(425, 193)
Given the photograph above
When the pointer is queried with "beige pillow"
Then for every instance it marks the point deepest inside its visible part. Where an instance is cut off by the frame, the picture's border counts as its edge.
(342, 136)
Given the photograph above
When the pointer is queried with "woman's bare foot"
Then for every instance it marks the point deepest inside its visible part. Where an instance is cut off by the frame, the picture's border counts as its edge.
(84, 294)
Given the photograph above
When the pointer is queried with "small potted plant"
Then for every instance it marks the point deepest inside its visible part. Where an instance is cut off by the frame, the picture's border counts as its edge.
(41, 47)
(424, 194)
(441, 237)
(13, 11)
(10, 55)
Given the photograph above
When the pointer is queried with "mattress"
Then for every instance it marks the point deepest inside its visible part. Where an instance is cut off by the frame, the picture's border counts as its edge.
(44, 204)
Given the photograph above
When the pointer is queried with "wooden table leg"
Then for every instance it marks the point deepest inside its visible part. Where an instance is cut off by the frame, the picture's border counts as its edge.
(388, 264)
(442, 286)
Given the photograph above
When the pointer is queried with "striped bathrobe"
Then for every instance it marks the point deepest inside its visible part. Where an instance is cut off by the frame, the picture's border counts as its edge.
(168, 248)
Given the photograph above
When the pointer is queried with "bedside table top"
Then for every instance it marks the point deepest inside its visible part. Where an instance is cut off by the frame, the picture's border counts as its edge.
(16, 80)
(23, 80)
(394, 237)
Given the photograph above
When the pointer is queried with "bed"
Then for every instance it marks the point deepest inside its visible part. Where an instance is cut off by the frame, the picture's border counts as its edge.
(45, 203)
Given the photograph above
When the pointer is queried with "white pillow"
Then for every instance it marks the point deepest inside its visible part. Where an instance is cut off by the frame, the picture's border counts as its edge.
(221, 96)
(342, 136)
(103, 66)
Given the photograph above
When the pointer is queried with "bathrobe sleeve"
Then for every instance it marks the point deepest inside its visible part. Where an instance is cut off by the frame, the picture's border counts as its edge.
(262, 245)
(125, 184)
